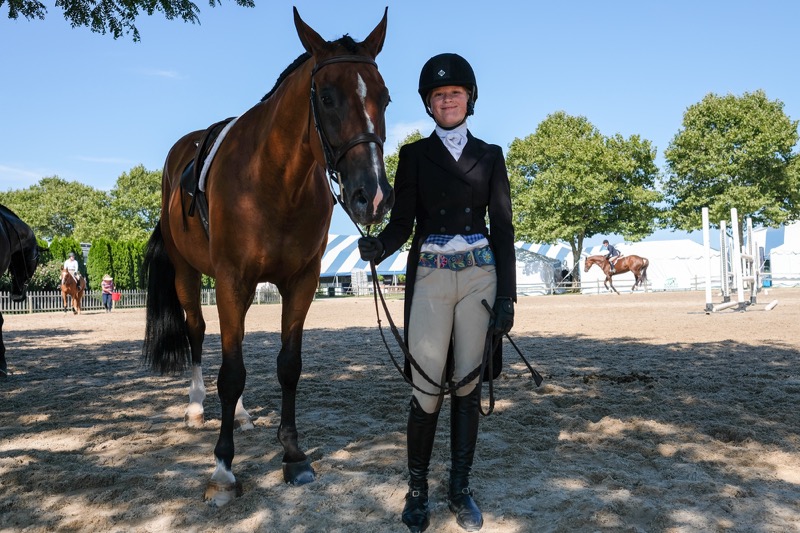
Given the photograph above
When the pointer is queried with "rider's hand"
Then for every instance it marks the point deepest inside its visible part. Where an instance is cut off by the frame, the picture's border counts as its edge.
(503, 315)
(370, 248)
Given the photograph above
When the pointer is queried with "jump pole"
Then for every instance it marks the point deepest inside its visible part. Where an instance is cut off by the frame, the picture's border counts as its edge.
(770, 306)
(724, 305)
(707, 251)
(723, 262)
(737, 260)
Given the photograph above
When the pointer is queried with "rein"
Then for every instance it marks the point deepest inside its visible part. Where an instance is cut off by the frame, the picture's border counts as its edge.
(334, 155)
(487, 359)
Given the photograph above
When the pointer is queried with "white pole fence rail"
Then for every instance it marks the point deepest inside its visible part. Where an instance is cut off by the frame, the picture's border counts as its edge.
(50, 301)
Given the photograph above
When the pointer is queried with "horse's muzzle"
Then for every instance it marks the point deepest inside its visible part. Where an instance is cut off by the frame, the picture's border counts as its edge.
(368, 209)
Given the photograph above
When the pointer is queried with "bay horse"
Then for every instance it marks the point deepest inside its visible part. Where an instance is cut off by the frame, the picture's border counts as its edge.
(268, 215)
(19, 255)
(627, 263)
(72, 289)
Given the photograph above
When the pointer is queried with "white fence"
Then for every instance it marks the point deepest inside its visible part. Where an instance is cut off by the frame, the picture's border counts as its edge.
(50, 301)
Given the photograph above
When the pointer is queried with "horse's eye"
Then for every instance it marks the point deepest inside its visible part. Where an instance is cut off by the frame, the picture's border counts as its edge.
(326, 100)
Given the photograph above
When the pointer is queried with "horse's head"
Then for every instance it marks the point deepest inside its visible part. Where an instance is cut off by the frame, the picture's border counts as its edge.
(349, 102)
(591, 260)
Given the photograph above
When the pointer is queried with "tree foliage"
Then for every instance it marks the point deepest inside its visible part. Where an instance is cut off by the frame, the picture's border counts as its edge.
(569, 182)
(733, 152)
(135, 204)
(109, 16)
(99, 262)
(55, 207)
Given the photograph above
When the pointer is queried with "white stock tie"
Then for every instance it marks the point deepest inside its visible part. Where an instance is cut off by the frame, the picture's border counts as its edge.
(455, 144)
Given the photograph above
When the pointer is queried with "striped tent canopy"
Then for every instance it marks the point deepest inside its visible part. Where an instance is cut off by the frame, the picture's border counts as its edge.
(559, 251)
(342, 257)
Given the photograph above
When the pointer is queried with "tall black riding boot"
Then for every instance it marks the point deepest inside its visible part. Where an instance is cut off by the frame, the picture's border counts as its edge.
(420, 434)
(463, 436)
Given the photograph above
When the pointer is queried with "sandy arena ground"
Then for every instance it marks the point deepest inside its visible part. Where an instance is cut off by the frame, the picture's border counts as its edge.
(654, 417)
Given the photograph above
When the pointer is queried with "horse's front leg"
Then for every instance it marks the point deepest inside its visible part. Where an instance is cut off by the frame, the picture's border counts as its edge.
(297, 468)
(610, 283)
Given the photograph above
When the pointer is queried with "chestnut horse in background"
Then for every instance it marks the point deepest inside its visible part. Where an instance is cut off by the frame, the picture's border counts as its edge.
(19, 254)
(69, 288)
(627, 263)
(269, 211)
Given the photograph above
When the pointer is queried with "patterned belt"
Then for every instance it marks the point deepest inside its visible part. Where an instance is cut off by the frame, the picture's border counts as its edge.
(476, 257)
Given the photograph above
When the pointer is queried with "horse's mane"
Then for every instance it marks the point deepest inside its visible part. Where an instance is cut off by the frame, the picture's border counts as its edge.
(345, 41)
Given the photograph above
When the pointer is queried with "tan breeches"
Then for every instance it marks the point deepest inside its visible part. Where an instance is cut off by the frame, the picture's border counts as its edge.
(447, 304)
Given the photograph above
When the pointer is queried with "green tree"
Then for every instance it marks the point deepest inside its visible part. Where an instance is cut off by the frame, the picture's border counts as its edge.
(55, 207)
(99, 262)
(733, 151)
(126, 273)
(109, 16)
(569, 182)
(136, 203)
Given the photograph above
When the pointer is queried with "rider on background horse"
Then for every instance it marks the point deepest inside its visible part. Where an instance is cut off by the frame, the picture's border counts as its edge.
(71, 267)
(612, 254)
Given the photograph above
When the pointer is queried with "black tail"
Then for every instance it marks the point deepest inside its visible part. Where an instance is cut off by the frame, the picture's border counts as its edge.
(166, 341)
(644, 270)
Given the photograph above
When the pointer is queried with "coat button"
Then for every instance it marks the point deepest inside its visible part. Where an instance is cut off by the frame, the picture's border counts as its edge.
(467, 210)
(468, 228)
(442, 229)
(442, 212)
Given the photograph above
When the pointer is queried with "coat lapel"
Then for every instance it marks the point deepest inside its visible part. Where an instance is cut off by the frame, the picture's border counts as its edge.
(438, 153)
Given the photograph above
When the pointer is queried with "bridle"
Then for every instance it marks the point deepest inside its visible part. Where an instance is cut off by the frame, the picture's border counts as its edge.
(333, 156)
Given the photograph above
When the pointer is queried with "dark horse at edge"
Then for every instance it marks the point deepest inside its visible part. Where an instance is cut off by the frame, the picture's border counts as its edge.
(627, 263)
(269, 211)
(19, 254)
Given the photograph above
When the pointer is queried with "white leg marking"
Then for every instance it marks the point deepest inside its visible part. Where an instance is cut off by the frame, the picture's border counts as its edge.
(197, 393)
(373, 150)
(222, 487)
(242, 417)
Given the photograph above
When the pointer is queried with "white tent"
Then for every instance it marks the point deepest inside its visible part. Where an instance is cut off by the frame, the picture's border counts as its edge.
(342, 257)
(785, 259)
(539, 267)
(674, 265)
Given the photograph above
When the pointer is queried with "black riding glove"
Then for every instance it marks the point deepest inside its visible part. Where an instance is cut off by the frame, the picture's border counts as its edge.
(503, 315)
(370, 248)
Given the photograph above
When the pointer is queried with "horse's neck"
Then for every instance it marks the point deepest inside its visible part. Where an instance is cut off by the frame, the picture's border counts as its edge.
(290, 107)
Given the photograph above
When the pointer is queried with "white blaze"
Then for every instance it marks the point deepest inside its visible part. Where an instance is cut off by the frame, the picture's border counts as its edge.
(373, 150)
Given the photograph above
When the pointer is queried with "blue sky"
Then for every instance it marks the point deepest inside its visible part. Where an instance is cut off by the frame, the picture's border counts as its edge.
(87, 108)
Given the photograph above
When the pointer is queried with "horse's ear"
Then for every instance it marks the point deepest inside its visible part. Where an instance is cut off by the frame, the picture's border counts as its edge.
(374, 43)
(311, 40)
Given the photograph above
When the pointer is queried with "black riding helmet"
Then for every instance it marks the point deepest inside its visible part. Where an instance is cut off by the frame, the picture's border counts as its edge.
(447, 69)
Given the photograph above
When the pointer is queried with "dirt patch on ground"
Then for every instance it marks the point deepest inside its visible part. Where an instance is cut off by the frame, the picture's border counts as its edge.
(653, 417)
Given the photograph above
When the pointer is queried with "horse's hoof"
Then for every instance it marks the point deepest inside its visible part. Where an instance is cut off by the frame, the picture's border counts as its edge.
(194, 420)
(298, 473)
(219, 494)
(245, 424)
